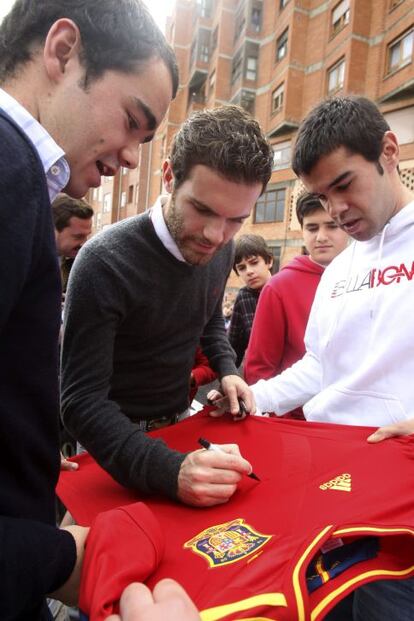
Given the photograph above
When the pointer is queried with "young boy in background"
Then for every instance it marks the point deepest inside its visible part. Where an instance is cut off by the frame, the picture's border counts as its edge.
(252, 263)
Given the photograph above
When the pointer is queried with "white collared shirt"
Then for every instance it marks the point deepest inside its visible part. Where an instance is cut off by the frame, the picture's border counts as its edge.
(51, 155)
(157, 216)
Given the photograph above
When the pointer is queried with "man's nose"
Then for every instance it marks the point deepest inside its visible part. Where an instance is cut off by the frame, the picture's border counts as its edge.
(129, 155)
(321, 234)
(336, 206)
(215, 231)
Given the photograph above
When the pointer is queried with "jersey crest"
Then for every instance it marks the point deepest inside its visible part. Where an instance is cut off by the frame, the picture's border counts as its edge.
(342, 483)
(227, 543)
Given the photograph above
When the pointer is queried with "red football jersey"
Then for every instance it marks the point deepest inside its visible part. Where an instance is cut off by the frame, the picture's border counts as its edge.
(322, 486)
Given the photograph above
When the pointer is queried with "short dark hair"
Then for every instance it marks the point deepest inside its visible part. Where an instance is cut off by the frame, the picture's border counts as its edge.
(226, 139)
(306, 204)
(251, 246)
(351, 122)
(115, 34)
(64, 207)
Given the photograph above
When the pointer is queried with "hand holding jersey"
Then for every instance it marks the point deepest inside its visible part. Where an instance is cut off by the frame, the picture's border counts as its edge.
(208, 478)
(404, 428)
(168, 601)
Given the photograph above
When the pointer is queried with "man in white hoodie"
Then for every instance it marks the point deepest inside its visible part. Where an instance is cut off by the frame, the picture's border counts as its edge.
(358, 366)
(358, 362)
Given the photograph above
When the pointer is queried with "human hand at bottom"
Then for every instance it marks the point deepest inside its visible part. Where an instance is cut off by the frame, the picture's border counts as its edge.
(167, 601)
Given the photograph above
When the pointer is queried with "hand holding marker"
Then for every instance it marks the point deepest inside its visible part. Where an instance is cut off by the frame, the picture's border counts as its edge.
(215, 447)
(243, 412)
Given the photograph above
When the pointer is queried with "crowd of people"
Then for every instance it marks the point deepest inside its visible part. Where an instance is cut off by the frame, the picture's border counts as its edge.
(82, 85)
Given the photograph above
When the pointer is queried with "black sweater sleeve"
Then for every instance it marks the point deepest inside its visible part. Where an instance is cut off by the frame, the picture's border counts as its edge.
(35, 559)
(93, 311)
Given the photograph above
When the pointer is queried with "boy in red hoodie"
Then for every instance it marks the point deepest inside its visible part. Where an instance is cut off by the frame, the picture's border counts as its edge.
(276, 340)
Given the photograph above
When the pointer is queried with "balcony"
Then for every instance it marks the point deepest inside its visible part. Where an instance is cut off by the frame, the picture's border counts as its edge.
(199, 59)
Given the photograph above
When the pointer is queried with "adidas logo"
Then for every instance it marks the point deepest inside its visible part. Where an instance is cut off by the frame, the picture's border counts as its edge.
(342, 483)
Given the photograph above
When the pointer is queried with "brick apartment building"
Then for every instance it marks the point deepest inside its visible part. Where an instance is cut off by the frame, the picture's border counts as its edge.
(277, 59)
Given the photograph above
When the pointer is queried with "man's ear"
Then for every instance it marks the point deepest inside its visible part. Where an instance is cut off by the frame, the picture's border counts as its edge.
(62, 47)
(269, 263)
(390, 154)
(168, 176)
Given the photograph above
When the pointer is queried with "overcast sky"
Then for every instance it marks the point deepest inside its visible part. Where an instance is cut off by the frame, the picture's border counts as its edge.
(159, 8)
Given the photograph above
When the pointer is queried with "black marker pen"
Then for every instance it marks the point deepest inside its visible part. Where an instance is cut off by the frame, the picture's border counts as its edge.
(215, 447)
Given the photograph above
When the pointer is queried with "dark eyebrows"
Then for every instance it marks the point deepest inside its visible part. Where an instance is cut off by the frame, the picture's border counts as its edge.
(148, 139)
(320, 195)
(200, 205)
(339, 178)
(142, 107)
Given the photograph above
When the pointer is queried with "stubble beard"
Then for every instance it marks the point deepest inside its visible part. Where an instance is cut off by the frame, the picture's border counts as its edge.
(174, 220)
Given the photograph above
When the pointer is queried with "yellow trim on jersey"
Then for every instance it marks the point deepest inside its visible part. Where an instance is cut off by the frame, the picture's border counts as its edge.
(322, 573)
(373, 529)
(296, 571)
(375, 573)
(264, 599)
(278, 599)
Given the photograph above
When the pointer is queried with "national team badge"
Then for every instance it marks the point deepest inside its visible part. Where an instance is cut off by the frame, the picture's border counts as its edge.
(227, 543)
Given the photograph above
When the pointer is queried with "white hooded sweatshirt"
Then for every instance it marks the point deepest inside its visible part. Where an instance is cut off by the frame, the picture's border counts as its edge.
(359, 363)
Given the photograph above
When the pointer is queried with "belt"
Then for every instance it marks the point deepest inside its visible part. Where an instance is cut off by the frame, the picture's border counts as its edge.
(162, 421)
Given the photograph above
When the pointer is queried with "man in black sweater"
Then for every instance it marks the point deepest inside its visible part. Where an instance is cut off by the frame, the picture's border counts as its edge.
(143, 294)
(59, 129)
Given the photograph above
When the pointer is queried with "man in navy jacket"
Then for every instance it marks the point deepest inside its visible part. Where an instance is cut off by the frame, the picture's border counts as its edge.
(81, 86)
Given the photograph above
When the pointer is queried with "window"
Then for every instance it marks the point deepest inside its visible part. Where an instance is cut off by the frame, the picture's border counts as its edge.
(282, 4)
(282, 45)
(247, 101)
(277, 98)
(336, 77)
(130, 194)
(204, 7)
(281, 155)
(400, 52)
(204, 45)
(271, 206)
(340, 16)
(107, 202)
(123, 199)
(237, 66)
(275, 250)
(100, 194)
(204, 52)
(256, 19)
(251, 68)
(124, 170)
(197, 96)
